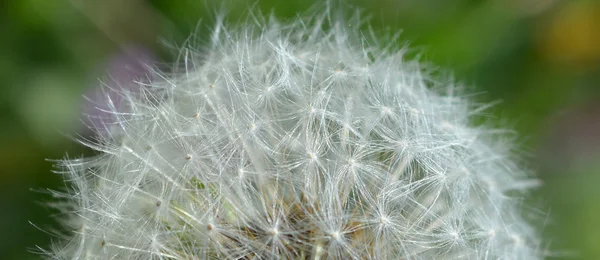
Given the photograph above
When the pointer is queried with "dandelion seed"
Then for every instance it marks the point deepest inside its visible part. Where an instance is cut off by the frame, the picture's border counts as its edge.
(314, 145)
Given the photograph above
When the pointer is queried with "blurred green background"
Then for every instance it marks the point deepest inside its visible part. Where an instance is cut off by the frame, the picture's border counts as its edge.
(541, 58)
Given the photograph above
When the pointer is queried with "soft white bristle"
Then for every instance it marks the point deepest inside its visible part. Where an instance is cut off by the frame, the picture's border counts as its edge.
(297, 140)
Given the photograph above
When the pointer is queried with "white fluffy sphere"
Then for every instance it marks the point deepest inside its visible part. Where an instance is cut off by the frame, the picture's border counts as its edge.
(299, 140)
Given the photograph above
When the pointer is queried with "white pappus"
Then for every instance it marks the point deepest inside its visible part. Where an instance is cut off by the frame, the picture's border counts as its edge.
(307, 139)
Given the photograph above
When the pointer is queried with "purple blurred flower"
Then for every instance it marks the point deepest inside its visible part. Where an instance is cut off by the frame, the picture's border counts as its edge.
(122, 72)
(573, 138)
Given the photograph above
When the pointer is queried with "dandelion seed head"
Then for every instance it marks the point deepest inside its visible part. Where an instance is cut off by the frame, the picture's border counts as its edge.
(295, 140)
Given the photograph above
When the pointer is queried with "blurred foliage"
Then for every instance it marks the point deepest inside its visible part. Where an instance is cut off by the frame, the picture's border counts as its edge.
(539, 57)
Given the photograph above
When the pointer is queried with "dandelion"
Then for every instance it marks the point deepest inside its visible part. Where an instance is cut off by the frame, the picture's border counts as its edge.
(299, 140)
